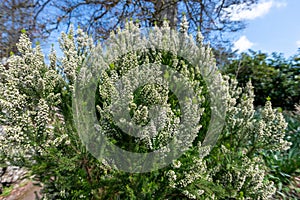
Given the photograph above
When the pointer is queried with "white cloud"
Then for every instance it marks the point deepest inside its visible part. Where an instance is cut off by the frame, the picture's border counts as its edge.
(298, 43)
(242, 44)
(243, 12)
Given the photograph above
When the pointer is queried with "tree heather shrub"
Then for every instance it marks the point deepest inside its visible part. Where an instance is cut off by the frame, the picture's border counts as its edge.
(40, 133)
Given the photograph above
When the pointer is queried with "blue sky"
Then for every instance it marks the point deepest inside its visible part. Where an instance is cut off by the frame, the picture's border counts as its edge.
(273, 26)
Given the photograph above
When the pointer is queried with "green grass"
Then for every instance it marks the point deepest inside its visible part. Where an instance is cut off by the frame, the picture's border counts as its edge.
(6, 191)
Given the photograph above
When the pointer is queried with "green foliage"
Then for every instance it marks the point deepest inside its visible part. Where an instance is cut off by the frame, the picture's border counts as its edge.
(6, 191)
(272, 76)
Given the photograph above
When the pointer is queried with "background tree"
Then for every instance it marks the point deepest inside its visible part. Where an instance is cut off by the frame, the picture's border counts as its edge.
(272, 76)
(16, 15)
(99, 17)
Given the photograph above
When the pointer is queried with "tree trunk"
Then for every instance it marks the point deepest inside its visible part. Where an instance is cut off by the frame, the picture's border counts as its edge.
(166, 9)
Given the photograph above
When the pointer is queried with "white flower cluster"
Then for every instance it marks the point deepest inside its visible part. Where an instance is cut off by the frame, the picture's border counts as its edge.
(245, 176)
(136, 51)
(30, 96)
(185, 177)
(248, 132)
(271, 129)
(265, 130)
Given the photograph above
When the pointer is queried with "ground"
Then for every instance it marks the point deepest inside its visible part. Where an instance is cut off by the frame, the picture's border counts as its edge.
(25, 190)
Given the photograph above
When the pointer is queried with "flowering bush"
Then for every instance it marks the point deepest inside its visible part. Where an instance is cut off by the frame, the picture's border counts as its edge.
(40, 133)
